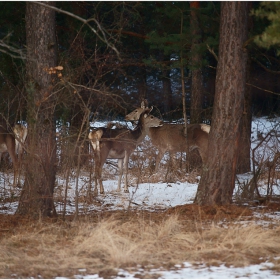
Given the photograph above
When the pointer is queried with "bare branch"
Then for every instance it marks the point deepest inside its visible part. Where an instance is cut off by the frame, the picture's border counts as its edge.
(266, 90)
(12, 51)
(12, 55)
(265, 68)
(103, 38)
(212, 52)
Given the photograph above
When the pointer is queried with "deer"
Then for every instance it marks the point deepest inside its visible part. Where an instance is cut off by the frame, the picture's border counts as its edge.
(171, 137)
(8, 144)
(119, 144)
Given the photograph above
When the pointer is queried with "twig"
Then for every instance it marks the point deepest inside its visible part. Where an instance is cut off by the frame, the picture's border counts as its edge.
(86, 22)
(212, 52)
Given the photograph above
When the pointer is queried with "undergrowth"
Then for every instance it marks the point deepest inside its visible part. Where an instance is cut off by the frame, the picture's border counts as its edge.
(103, 245)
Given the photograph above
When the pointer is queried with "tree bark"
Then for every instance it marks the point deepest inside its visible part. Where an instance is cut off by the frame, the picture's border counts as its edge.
(196, 58)
(36, 199)
(244, 157)
(218, 176)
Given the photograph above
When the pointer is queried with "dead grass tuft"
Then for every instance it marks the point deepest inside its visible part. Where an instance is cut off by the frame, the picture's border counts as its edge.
(102, 245)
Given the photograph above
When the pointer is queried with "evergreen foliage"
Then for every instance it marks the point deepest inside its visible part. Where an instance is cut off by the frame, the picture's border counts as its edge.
(153, 40)
(269, 11)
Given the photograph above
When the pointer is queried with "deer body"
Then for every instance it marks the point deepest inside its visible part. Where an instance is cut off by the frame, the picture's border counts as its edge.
(119, 144)
(171, 138)
(8, 144)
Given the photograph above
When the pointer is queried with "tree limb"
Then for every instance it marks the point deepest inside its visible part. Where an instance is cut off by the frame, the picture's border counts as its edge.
(212, 52)
(86, 22)
(265, 68)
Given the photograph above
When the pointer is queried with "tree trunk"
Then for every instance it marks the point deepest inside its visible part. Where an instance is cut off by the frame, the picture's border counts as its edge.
(218, 176)
(36, 199)
(196, 58)
(244, 157)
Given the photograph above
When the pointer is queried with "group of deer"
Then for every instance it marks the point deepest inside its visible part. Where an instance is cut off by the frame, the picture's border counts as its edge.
(12, 142)
(108, 143)
(119, 143)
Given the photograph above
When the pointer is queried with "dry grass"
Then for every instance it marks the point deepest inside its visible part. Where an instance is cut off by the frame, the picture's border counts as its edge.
(104, 244)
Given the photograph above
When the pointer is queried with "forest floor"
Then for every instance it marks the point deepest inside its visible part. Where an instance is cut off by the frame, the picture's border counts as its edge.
(110, 244)
(155, 231)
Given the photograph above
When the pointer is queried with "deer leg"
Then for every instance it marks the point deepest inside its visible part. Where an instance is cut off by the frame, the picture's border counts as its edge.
(120, 170)
(98, 165)
(203, 155)
(99, 176)
(101, 186)
(95, 174)
(126, 158)
(102, 156)
(12, 152)
(99, 179)
(172, 160)
(158, 159)
(20, 156)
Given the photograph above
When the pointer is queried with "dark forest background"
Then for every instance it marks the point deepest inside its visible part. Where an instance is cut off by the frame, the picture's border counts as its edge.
(147, 44)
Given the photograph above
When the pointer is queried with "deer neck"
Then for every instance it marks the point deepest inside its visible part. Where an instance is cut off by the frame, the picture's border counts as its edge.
(152, 130)
(139, 133)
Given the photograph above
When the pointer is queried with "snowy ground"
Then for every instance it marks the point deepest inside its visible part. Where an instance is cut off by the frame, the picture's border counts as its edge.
(154, 196)
(187, 271)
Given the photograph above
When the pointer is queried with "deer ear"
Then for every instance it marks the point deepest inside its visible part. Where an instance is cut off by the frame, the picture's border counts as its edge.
(147, 111)
(146, 103)
(150, 110)
(143, 104)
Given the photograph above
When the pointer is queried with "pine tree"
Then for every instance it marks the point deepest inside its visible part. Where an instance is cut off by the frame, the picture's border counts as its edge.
(218, 175)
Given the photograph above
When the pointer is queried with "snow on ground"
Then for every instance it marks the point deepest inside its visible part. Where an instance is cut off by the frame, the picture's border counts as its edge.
(187, 271)
(154, 196)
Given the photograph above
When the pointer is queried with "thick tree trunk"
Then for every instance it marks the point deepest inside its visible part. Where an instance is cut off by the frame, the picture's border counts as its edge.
(218, 176)
(196, 58)
(37, 195)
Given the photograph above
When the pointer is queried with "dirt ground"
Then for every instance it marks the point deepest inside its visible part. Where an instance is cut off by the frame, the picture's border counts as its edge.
(9, 223)
(33, 240)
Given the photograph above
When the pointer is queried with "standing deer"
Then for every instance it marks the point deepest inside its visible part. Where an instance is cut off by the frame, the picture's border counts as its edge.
(171, 137)
(119, 144)
(8, 144)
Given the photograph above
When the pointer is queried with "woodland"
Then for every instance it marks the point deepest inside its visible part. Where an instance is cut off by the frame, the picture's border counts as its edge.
(67, 65)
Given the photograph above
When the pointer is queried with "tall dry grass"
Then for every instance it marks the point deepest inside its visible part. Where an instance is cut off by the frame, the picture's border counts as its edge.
(61, 249)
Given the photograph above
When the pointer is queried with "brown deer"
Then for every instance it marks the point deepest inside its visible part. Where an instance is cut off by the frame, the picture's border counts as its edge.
(171, 138)
(119, 144)
(8, 144)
